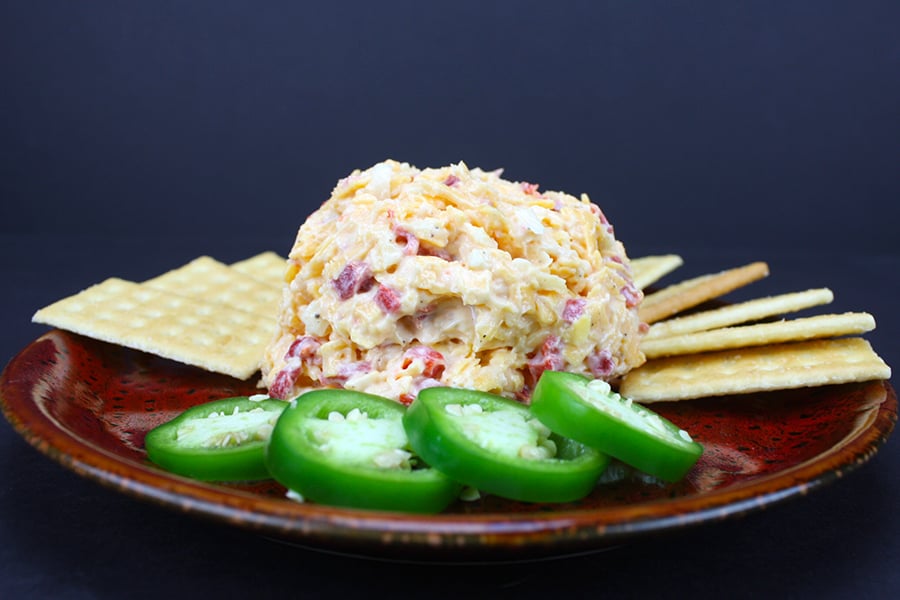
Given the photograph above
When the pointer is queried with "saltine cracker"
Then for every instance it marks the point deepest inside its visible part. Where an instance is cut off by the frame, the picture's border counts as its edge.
(268, 267)
(689, 293)
(647, 270)
(742, 312)
(759, 369)
(761, 334)
(214, 337)
(209, 280)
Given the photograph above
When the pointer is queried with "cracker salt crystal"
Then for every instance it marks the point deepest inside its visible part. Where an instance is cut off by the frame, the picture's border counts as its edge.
(687, 294)
(819, 326)
(647, 270)
(268, 267)
(207, 279)
(214, 337)
(759, 369)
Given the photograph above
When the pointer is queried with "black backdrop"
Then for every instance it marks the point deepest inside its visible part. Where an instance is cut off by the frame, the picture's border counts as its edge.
(751, 123)
(135, 136)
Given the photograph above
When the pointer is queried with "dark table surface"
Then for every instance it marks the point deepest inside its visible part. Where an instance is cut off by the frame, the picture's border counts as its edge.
(63, 536)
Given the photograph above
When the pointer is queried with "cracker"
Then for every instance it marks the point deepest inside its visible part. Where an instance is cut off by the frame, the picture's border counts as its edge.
(213, 337)
(647, 270)
(819, 326)
(267, 267)
(692, 292)
(743, 312)
(207, 279)
(760, 369)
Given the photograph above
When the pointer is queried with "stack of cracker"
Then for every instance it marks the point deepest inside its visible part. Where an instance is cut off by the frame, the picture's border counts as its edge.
(205, 313)
(744, 347)
(220, 318)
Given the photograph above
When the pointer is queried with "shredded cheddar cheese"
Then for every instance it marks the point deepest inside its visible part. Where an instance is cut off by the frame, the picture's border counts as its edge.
(407, 278)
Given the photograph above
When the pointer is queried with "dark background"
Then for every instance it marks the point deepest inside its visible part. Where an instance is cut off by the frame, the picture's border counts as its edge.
(135, 136)
(755, 123)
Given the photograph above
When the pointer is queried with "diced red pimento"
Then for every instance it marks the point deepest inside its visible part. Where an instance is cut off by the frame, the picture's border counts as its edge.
(354, 278)
(632, 295)
(387, 299)
(573, 309)
(599, 213)
(432, 360)
(306, 348)
(601, 363)
(529, 188)
(303, 350)
(409, 242)
(418, 384)
(413, 246)
(284, 381)
(547, 358)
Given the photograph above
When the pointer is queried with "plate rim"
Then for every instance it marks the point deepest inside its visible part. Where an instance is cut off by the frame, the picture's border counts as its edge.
(496, 535)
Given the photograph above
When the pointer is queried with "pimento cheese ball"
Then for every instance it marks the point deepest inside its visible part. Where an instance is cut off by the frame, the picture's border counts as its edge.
(407, 278)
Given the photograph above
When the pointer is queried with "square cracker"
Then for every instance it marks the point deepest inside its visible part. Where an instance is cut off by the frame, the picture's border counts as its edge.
(267, 267)
(214, 337)
(746, 370)
(742, 312)
(647, 270)
(692, 292)
(209, 280)
(793, 330)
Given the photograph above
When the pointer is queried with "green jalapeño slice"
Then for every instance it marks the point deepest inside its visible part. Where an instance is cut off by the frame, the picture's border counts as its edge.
(348, 448)
(496, 445)
(589, 411)
(223, 440)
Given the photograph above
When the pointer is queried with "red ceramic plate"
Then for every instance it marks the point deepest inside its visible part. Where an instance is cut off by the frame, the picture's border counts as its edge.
(88, 405)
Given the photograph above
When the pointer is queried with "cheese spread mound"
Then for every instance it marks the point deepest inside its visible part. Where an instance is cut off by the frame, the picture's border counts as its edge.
(407, 278)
